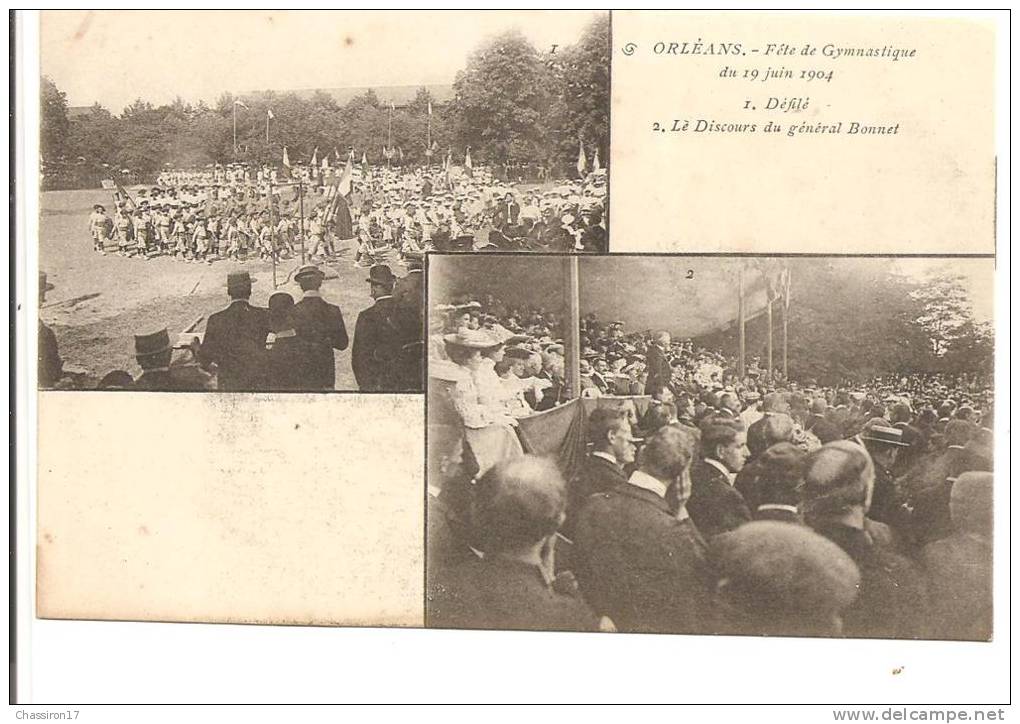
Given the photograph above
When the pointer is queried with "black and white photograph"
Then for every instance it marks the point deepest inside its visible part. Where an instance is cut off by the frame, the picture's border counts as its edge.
(242, 201)
(742, 445)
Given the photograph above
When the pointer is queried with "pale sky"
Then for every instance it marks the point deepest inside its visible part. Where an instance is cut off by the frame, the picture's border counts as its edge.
(978, 279)
(114, 57)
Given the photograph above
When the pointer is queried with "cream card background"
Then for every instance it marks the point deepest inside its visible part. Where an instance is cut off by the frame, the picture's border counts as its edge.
(929, 189)
(290, 509)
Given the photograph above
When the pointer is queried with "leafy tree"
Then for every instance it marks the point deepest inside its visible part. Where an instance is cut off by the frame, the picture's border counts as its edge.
(499, 100)
(54, 122)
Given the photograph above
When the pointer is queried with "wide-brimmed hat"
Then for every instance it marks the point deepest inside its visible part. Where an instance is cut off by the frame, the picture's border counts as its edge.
(44, 285)
(472, 339)
(885, 435)
(147, 345)
(308, 271)
(381, 274)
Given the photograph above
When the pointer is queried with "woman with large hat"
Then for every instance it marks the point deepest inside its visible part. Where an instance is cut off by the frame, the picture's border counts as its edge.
(488, 426)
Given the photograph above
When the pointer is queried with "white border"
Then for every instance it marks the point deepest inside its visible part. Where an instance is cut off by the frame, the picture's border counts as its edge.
(109, 662)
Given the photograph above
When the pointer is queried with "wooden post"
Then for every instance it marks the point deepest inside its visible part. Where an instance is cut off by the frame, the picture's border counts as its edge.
(572, 358)
(768, 311)
(301, 207)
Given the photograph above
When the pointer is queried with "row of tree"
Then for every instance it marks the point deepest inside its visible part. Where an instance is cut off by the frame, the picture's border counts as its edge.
(511, 104)
(854, 320)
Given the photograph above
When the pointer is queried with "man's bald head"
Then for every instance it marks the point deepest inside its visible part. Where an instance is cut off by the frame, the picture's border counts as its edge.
(518, 503)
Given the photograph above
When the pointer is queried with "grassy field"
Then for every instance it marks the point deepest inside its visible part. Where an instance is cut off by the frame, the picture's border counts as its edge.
(100, 302)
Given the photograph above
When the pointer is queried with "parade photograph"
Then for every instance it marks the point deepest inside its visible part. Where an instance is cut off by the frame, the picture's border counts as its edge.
(243, 201)
(738, 445)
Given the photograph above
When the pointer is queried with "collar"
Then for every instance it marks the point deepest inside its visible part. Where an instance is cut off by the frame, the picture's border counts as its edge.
(721, 468)
(416, 271)
(605, 456)
(239, 301)
(954, 447)
(386, 296)
(779, 506)
(313, 293)
(647, 482)
(146, 370)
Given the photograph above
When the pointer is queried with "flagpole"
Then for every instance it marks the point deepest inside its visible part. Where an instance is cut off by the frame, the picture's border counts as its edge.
(267, 129)
(234, 108)
(428, 139)
(301, 205)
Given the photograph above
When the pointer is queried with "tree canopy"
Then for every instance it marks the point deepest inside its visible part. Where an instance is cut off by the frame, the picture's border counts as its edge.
(512, 103)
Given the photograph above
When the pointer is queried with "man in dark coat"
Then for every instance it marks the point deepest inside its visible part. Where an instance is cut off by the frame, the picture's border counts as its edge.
(602, 470)
(917, 444)
(50, 365)
(893, 602)
(715, 505)
(959, 567)
(660, 373)
(761, 433)
(377, 335)
(235, 338)
(518, 505)
(321, 325)
(639, 563)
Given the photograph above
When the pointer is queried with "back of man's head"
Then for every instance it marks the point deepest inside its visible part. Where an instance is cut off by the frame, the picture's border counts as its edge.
(776, 428)
(819, 405)
(970, 503)
(959, 432)
(901, 412)
(518, 503)
(668, 452)
(838, 477)
(775, 402)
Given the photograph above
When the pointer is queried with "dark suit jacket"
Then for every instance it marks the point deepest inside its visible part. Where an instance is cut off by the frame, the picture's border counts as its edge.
(659, 371)
(550, 395)
(50, 365)
(377, 343)
(496, 593)
(321, 324)
(893, 600)
(235, 340)
(959, 577)
(287, 365)
(639, 565)
(715, 505)
(596, 475)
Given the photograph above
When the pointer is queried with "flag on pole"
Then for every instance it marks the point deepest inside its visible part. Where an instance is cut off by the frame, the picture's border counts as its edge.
(582, 161)
(336, 152)
(595, 165)
(344, 184)
(467, 159)
(315, 156)
(286, 158)
(325, 162)
(239, 103)
(269, 114)
(364, 159)
(430, 108)
(400, 152)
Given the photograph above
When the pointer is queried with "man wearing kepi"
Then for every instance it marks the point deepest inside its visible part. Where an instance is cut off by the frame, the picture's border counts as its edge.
(377, 334)
(235, 338)
(321, 325)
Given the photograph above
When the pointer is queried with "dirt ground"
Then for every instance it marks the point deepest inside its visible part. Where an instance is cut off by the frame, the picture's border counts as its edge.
(100, 302)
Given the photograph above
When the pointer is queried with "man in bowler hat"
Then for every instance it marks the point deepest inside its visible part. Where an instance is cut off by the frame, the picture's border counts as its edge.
(321, 325)
(377, 334)
(235, 338)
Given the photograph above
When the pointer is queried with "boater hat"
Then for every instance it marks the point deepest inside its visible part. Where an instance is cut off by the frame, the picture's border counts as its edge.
(309, 270)
(885, 435)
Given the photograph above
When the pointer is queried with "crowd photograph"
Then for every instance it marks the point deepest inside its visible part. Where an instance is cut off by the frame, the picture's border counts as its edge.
(263, 225)
(767, 446)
